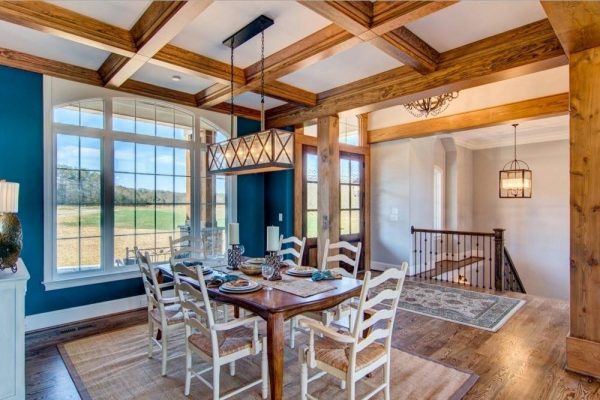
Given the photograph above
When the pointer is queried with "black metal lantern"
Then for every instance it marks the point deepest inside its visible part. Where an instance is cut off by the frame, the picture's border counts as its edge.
(516, 179)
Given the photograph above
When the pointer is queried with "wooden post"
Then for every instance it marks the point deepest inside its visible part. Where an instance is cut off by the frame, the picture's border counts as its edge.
(583, 342)
(498, 259)
(328, 148)
(363, 131)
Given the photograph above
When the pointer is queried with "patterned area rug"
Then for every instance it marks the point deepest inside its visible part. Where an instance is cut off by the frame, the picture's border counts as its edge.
(114, 365)
(480, 310)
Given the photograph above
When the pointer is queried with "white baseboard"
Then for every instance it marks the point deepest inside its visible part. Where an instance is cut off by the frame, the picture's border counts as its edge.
(69, 315)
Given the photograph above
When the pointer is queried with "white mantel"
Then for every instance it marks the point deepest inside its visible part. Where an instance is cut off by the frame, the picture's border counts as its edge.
(12, 332)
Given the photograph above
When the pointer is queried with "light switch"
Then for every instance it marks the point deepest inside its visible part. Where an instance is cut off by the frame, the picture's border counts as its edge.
(280, 217)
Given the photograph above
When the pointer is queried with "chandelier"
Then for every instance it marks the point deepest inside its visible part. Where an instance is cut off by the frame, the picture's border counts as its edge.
(264, 151)
(515, 177)
(434, 105)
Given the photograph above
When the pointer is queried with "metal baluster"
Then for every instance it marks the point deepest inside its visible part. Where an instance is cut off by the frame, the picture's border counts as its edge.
(420, 249)
(471, 269)
(490, 260)
(431, 243)
(477, 268)
(425, 255)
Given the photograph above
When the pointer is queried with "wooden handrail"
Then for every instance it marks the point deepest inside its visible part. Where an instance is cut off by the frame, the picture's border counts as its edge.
(513, 270)
(446, 232)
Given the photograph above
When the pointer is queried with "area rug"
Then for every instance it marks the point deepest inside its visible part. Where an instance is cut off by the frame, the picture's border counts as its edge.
(114, 365)
(477, 309)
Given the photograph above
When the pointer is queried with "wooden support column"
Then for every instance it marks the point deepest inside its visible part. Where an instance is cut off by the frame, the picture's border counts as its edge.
(583, 342)
(328, 148)
(298, 180)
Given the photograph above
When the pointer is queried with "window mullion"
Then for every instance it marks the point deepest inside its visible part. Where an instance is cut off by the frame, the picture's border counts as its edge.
(108, 191)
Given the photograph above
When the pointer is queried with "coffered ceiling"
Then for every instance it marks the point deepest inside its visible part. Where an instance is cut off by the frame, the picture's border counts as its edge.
(322, 57)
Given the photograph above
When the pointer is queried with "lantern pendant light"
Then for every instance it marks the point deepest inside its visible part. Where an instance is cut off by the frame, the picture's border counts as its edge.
(264, 151)
(516, 179)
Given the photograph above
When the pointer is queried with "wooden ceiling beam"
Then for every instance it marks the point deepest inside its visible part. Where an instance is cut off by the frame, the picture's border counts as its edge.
(540, 107)
(157, 26)
(190, 63)
(316, 47)
(576, 23)
(58, 21)
(383, 26)
(530, 48)
(408, 48)
(28, 62)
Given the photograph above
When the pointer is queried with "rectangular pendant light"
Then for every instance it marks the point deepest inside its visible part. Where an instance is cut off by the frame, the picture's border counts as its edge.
(269, 150)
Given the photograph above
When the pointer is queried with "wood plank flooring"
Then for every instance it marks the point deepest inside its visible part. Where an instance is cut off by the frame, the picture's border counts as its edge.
(525, 359)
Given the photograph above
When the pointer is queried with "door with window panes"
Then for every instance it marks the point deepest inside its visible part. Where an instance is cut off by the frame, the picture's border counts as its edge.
(351, 201)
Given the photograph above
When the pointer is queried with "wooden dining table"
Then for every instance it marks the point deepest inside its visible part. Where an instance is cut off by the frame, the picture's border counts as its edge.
(275, 306)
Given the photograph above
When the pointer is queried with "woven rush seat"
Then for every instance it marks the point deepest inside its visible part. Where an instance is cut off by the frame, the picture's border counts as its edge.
(337, 354)
(230, 341)
(173, 314)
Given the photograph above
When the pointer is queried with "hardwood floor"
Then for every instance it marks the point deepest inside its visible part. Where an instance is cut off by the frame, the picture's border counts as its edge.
(525, 359)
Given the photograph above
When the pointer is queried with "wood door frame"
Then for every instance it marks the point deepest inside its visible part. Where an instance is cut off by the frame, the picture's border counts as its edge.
(302, 140)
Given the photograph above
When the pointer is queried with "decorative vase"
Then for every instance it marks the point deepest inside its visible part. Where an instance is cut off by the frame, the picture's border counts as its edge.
(273, 260)
(11, 241)
(234, 256)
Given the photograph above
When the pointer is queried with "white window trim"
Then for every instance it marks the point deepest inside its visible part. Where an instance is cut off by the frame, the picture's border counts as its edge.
(51, 279)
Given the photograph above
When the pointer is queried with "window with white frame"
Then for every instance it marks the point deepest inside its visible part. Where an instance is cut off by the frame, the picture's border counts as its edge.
(438, 198)
(126, 174)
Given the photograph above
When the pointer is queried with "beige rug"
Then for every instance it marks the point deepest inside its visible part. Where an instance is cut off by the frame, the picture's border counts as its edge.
(114, 365)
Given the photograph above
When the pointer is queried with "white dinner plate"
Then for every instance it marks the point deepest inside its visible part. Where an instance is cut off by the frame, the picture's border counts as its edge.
(302, 272)
(229, 286)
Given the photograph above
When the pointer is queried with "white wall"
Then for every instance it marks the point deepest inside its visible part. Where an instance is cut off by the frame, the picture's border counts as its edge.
(402, 180)
(537, 229)
(390, 183)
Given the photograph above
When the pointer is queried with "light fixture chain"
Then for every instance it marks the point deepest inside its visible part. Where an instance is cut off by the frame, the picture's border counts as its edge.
(231, 87)
(262, 81)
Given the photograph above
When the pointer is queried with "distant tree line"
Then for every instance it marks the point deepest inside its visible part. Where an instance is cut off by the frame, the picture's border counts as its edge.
(84, 187)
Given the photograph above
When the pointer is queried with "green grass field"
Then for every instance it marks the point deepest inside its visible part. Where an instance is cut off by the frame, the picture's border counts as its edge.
(142, 226)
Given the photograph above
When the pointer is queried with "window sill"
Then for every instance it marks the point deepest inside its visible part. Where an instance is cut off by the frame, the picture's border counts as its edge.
(91, 279)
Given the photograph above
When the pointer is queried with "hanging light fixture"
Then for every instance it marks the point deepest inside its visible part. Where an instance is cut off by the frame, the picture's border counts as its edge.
(264, 151)
(516, 178)
(434, 105)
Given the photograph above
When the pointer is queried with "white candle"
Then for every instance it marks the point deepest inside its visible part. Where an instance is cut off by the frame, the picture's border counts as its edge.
(234, 233)
(272, 238)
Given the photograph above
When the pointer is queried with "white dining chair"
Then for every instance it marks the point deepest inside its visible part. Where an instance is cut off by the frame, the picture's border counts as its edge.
(163, 312)
(217, 343)
(188, 249)
(292, 242)
(343, 310)
(350, 356)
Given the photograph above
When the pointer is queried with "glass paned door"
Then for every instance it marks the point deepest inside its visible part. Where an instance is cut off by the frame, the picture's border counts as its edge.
(352, 219)
(352, 216)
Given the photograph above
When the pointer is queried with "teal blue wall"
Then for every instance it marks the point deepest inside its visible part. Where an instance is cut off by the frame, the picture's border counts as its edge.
(21, 160)
(261, 197)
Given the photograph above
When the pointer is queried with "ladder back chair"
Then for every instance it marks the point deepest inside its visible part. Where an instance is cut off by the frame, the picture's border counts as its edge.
(297, 255)
(189, 250)
(186, 249)
(217, 343)
(351, 356)
(343, 310)
(163, 312)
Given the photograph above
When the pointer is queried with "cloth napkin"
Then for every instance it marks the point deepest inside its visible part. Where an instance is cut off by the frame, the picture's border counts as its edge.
(325, 276)
(219, 280)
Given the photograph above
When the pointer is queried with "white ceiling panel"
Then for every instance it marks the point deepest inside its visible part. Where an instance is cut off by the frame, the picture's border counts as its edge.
(123, 13)
(252, 100)
(160, 76)
(532, 131)
(356, 63)
(470, 21)
(25, 40)
(221, 19)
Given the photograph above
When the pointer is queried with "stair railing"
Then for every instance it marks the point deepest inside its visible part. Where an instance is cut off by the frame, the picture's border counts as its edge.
(467, 258)
(512, 280)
